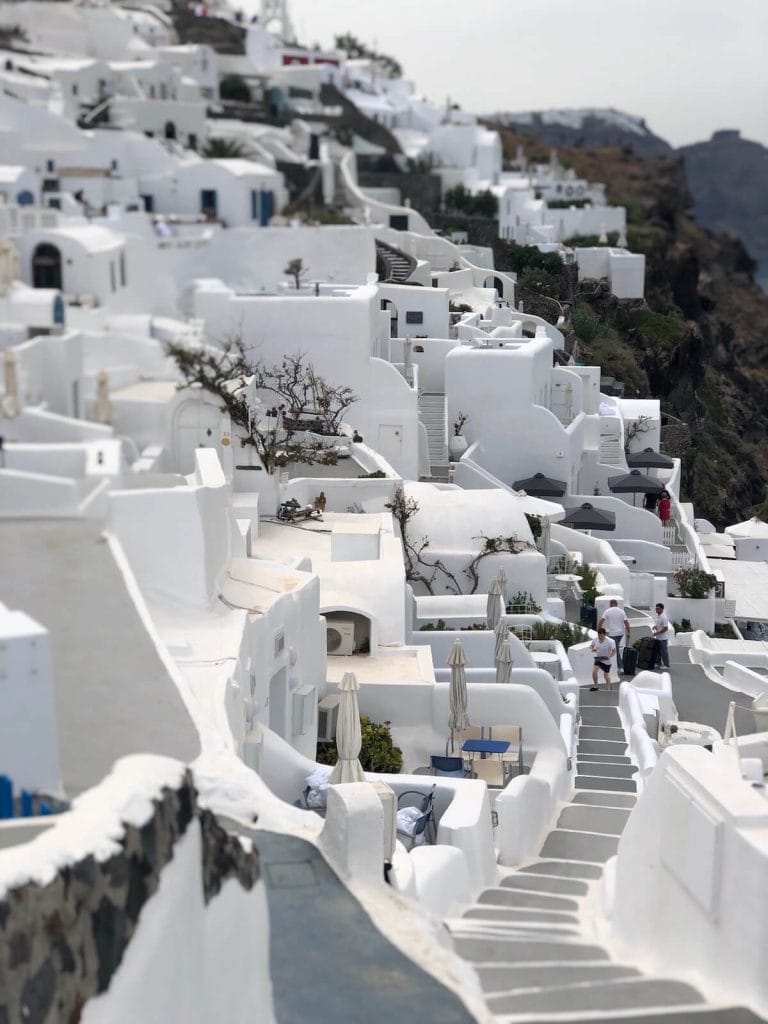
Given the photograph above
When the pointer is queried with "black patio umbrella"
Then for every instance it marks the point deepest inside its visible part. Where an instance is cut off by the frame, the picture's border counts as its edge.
(587, 517)
(540, 486)
(634, 483)
(649, 459)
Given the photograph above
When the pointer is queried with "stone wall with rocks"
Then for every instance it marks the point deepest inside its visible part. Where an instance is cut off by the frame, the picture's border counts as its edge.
(61, 943)
(480, 230)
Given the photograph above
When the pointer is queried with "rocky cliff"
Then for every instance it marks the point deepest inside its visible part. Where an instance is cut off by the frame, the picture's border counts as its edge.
(699, 342)
(728, 180)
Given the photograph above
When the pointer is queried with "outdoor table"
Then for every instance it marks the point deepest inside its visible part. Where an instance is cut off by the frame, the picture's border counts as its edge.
(486, 746)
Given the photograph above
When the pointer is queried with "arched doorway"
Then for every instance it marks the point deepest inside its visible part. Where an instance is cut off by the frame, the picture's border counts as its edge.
(197, 425)
(170, 130)
(46, 267)
(388, 305)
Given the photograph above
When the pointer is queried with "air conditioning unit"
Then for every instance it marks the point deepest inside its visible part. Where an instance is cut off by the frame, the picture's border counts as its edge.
(327, 714)
(340, 637)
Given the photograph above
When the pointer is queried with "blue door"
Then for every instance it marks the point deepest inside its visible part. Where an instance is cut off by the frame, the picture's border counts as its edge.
(267, 207)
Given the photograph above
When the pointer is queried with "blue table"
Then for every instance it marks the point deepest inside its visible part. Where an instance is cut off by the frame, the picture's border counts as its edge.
(486, 746)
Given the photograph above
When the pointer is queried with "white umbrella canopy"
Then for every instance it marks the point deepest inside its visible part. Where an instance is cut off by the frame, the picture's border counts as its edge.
(494, 609)
(458, 715)
(349, 737)
(504, 664)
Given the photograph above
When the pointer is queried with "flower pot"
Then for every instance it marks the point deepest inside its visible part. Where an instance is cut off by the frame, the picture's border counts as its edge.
(457, 445)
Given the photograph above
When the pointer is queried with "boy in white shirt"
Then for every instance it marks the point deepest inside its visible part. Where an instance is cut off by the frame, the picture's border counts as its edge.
(603, 648)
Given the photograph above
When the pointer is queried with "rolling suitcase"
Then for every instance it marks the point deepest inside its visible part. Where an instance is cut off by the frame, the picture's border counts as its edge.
(629, 661)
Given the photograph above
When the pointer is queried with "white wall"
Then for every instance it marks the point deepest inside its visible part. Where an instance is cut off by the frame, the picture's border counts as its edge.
(691, 861)
(29, 747)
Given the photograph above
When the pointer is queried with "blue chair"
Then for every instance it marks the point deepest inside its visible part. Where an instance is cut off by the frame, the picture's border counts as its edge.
(451, 767)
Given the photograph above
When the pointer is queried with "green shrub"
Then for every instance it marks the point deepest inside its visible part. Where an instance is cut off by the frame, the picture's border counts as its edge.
(377, 474)
(586, 325)
(431, 626)
(694, 583)
(683, 626)
(535, 524)
(517, 258)
(567, 634)
(377, 752)
(234, 88)
(539, 280)
(588, 583)
(523, 603)
(590, 241)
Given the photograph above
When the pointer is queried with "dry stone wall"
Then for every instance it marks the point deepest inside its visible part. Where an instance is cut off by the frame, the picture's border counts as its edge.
(60, 944)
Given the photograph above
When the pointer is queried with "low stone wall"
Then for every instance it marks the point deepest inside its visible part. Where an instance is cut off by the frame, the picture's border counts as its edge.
(61, 943)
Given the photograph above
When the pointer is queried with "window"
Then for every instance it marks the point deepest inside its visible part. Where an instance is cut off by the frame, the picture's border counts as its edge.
(112, 276)
(414, 317)
(75, 89)
(113, 165)
(50, 166)
(123, 276)
(151, 92)
(279, 644)
(255, 204)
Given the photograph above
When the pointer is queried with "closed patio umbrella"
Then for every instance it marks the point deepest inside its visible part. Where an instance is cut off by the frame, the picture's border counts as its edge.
(633, 483)
(501, 576)
(502, 634)
(494, 608)
(504, 664)
(649, 459)
(587, 517)
(348, 733)
(458, 716)
(541, 486)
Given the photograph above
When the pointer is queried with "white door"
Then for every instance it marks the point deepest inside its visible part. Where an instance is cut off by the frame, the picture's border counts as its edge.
(198, 425)
(390, 440)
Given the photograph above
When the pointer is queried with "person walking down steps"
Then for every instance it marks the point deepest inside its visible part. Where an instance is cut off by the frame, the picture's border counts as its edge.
(603, 649)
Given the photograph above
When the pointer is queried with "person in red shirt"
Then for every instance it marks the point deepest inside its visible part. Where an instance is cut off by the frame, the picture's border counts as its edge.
(665, 508)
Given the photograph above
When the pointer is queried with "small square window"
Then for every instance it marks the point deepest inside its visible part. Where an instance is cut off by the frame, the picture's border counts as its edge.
(414, 317)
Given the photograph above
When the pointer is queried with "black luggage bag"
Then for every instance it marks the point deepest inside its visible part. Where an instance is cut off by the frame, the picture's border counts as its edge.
(645, 652)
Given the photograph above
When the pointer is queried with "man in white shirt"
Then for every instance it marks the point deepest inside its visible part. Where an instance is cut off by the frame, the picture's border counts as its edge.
(603, 649)
(616, 624)
(661, 634)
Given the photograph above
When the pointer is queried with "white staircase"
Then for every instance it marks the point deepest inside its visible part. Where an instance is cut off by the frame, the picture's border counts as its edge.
(531, 938)
(432, 415)
(611, 451)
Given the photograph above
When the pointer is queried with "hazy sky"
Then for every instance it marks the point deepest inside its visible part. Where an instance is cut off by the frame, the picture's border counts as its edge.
(687, 66)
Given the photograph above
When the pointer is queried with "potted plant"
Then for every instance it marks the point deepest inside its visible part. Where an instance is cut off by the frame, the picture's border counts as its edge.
(458, 444)
(588, 595)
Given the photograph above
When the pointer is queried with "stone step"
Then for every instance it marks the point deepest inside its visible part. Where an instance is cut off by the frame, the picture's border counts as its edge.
(546, 883)
(602, 746)
(500, 978)
(605, 758)
(509, 922)
(619, 994)
(605, 820)
(605, 770)
(563, 869)
(485, 949)
(520, 898)
(600, 716)
(579, 846)
(523, 919)
(605, 800)
(607, 785)
(602, 732)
